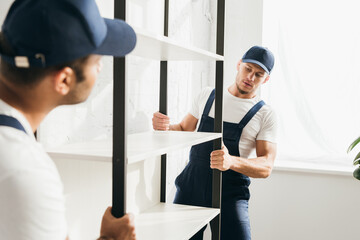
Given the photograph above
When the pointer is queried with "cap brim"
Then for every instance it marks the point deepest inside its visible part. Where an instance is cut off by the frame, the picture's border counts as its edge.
(258, 63)
(120, 39)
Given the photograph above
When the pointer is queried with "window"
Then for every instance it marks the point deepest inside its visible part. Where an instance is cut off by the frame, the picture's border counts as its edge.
(315, 84)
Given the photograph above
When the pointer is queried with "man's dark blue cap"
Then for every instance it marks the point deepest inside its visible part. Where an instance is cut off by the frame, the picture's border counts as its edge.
(45, 33)
(260, 56)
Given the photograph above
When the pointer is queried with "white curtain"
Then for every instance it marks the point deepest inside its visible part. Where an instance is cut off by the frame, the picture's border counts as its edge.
(315, 84)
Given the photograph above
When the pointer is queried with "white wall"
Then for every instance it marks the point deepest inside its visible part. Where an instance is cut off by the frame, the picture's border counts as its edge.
(311, 206)
(4, 6)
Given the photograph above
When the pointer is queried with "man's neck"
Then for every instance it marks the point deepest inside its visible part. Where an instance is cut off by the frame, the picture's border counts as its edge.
(233, 90)
(26, 101)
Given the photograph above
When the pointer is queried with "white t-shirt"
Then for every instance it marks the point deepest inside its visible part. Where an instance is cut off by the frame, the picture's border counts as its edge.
(32, 204)
(261, 127)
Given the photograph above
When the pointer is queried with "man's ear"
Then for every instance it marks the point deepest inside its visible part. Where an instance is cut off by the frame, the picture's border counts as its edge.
(238, 64)
(266, 79)
(63, 80)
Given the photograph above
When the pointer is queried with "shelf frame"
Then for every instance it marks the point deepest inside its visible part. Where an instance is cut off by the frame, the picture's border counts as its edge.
(163, 102)
(219, 82)
(119, 169)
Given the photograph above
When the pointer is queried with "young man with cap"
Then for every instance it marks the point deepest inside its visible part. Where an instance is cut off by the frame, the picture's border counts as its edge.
(50, 56)
(248, 124)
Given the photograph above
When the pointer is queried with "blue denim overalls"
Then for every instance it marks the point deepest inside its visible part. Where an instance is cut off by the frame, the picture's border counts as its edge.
(194, 184)
(11, 122)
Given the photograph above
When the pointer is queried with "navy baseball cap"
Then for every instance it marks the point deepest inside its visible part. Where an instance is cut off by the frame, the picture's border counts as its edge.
(45, 33)
(260, 56)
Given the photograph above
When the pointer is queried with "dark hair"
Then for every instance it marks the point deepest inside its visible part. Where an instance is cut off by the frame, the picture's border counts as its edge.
(31, 76)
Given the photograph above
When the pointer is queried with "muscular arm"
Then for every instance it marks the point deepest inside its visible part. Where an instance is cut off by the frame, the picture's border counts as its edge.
(259, 167)
(187, 124)
(162, 122)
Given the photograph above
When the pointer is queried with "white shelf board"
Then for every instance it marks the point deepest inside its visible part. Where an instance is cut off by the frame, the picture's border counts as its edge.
(164, 48)
(172, 221)
(140, 146)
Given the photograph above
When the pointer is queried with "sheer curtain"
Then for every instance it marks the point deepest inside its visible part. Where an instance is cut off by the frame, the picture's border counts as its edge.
(315, 85)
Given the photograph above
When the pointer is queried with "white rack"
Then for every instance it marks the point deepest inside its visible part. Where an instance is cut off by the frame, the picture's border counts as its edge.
(164, 221)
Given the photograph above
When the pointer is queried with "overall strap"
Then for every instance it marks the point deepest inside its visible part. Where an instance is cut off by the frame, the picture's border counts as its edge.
(11, 122)
(209, 103)
(249, 115)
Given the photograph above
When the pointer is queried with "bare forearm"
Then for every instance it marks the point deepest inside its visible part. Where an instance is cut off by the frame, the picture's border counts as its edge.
(162, 122)
(259, 167)
(182, 127)
(175, 127)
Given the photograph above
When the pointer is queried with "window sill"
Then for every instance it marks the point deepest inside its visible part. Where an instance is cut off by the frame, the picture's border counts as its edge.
(314, 167)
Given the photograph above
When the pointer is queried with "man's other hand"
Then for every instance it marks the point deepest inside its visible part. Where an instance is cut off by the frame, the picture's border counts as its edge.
(117, 228)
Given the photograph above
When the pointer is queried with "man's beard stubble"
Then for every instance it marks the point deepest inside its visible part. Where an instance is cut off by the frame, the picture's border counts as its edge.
(241, 91)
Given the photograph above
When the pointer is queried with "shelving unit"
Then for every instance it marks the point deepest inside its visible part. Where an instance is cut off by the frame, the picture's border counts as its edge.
(164, 220)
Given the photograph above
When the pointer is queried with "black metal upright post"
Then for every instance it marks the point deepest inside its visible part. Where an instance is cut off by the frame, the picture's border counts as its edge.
(166, 18)
(163, 103)
(220, 28)
(217, 175)
(119, 126)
